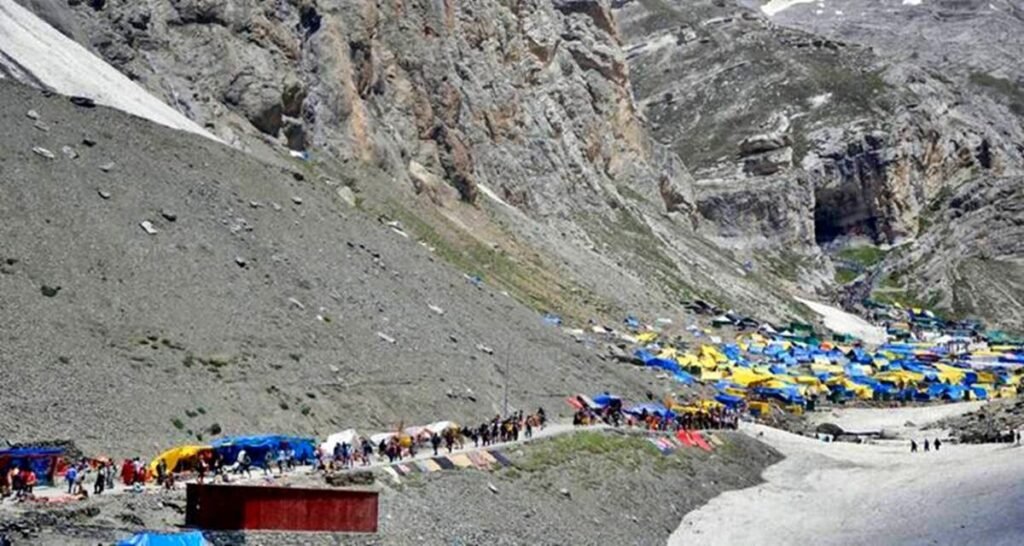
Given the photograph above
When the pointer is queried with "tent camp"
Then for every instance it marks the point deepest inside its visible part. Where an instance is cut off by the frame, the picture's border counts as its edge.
(191, 538)
(180, 458)
(257, 447)
(42, 460)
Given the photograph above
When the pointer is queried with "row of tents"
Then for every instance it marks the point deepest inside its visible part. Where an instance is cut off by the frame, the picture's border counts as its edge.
(184, 457)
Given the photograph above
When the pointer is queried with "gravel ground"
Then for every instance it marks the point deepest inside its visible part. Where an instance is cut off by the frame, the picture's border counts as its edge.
(585, 488)
(990, 423)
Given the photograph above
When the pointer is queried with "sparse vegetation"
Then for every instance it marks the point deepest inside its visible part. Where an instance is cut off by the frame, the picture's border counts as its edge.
(1011, 92)
(178, 424)
(623, 448)
(845, 276)
(866, 256)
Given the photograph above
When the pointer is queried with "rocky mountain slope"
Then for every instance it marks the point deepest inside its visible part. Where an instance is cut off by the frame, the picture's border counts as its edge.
(541, 145)
(824, 126)
(521, 110)
(157, 287)
(966, 257)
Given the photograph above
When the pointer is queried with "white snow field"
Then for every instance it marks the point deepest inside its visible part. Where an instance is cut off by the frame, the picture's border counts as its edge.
(37, 54)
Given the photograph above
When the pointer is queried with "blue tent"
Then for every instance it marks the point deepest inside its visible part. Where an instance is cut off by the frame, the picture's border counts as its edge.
(604, 399)
(684, 377)
(258, 446)
(42, 460)
(729, 400)
(643, 356)
(656, 409)
(788, 395)
(191, 538)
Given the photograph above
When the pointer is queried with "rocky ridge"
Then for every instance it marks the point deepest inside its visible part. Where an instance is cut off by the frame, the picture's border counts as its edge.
(807, 131)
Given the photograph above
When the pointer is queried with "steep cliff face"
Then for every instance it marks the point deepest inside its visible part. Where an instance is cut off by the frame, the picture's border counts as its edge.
(514, 121)
(528, 98)
(812, 128)
(743, 99)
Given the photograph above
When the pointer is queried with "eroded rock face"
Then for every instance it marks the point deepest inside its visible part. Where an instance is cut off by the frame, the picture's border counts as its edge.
(877, 138)
(532, 99)
(526, 104)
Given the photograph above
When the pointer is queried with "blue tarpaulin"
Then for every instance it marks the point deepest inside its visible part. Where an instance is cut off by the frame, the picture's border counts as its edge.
(258, 446)
(729, 400)
(192, 538)
(42, 460)
(684, 377)
(655, 409)
(604, 399)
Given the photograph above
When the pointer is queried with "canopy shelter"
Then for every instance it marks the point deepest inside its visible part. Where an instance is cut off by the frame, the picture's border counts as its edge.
(605, 399)
(651, 409)
(41, 460)
(258, 446)
(350, 437)
(191, 538)
(180, 458)
(440, 426)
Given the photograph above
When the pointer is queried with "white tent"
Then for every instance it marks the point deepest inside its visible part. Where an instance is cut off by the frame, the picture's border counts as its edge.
(349, 437)
(376, 439)
(441, 426)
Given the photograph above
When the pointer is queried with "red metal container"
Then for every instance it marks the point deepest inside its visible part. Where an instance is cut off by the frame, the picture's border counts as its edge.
(266, 508)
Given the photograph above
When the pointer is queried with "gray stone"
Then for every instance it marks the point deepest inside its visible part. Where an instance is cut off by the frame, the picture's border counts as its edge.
(347, 196)
(43, 152)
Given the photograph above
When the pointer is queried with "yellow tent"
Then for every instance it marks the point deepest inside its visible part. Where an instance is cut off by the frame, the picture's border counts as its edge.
(177, 455)
(709, 351)
(986, 377)
(807, 380)
(746, 376)
(668, 353)
(709, 375)
(950, 374)
(688, 360)
(646, 337)
(1007, 392)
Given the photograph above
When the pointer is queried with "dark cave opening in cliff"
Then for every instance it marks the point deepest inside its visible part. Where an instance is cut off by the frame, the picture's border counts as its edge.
(842, 213)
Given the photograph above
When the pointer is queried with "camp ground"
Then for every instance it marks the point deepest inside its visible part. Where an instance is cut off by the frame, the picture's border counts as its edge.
(924, 359)
(743, 371)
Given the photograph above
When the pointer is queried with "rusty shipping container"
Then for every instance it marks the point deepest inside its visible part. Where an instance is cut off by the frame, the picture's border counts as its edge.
(266, 508)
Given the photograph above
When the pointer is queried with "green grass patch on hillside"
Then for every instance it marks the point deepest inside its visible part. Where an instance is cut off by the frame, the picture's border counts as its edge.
(563, 449)
(527, 278)
(845, 276)
(866, 256)
(1010, 91)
